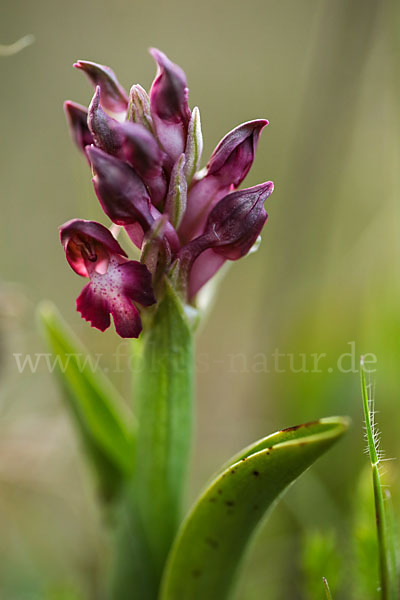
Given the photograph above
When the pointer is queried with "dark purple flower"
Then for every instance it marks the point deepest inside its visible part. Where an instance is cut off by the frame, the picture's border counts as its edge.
(232, 228)
(116, 283)
(113, 95)
(228, 166)
(77, 121)
(145, 163)
(169, 105)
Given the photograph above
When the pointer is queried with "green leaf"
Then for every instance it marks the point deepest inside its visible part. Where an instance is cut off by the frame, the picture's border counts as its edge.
(209, 548)
(106, 430)
(164, 395)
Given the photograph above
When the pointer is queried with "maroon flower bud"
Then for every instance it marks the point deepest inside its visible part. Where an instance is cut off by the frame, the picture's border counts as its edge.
(102, 127)
(77, 121)
(140, 149)
(122, 194)
(234, 155)
(236, 221)
(169, 106)
(116, 283)
(226, 169)
(113, 95)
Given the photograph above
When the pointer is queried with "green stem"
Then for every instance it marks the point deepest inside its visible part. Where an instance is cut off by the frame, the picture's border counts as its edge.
(380, 513)
(164, 397)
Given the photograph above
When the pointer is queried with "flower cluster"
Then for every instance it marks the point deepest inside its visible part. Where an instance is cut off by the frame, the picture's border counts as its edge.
(144, 151)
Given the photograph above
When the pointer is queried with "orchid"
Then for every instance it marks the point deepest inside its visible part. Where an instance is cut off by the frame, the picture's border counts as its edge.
(182, 224)
(145, 151)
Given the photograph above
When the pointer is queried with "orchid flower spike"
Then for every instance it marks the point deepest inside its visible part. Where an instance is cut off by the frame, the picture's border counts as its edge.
(145, 152)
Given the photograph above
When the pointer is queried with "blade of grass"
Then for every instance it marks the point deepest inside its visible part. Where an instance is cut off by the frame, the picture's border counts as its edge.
(386, 584)
(391, 527)
(327, 590)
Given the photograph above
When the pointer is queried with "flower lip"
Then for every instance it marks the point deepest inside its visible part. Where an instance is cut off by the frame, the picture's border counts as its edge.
(87, 241)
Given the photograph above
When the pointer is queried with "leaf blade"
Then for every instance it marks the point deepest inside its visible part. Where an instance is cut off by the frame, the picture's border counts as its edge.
(92, 399)
(208, 550)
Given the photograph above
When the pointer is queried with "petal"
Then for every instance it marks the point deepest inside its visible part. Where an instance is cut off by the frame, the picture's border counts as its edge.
(169, 106)
(93, 308)
(113, 95)
(77, 120)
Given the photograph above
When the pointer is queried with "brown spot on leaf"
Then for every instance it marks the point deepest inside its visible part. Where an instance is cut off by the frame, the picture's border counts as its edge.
(296, 427)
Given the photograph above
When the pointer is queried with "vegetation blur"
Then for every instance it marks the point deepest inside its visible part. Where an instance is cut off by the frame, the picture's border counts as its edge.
(283, 342)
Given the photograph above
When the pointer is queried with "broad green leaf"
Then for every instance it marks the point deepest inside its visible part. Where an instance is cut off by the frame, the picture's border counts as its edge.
(107, 431)
(164, 391)
(208, 550)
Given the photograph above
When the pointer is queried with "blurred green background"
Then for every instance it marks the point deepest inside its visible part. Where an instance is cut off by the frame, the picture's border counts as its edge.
(325, 280)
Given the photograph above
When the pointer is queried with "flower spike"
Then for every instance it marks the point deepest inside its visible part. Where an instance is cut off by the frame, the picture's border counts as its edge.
(116, 284)
(145, 155)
